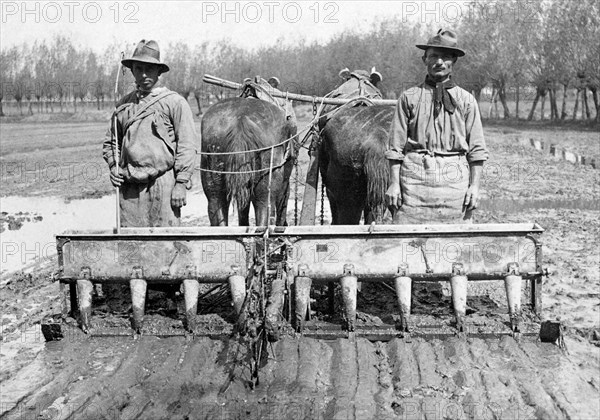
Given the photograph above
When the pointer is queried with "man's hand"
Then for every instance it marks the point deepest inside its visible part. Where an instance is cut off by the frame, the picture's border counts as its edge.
(178, 195)
(393, 197)
(115, 177)
(472, 197)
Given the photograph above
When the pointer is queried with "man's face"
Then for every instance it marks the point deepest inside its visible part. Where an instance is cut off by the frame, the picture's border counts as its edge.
(145, 74)
(439, 63)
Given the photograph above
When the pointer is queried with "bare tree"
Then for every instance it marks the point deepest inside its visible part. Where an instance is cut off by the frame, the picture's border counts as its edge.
(5, 77)
(200, 64)
(179, 58)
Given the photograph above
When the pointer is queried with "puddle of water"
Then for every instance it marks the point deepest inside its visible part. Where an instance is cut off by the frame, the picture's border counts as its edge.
(34, 242)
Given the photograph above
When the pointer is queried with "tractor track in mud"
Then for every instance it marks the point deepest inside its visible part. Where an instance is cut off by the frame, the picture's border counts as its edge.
(178, 378)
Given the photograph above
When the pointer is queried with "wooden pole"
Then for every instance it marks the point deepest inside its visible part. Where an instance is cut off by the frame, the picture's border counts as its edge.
(116, 148)
(213, 80)
(309, 202)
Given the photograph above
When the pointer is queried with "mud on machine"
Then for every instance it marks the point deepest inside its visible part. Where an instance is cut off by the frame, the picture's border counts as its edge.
(270, 270)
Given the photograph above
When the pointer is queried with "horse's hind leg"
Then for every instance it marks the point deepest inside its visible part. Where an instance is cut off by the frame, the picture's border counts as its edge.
(333, 206)
(260, 200)
(376, 215)
(347, 201)
(282, 210)
(213, 185)
(283, 194)
(261, 211)
(218, 207)
(369, 215)
(243, 215)
(348, 213)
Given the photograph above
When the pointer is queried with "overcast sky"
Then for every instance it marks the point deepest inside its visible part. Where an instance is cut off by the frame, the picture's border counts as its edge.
(244, 23)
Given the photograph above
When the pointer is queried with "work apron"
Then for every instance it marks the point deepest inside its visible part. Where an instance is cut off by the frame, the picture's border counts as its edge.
(433, 189)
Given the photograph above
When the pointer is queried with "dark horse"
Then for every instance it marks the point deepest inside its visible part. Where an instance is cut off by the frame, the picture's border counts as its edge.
(352, 163)
(248, 126)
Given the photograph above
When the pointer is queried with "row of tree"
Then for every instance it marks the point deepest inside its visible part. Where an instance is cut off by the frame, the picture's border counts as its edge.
(534, 50)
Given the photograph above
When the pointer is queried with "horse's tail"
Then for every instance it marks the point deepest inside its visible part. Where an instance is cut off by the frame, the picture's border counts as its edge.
(244, 136)
(377, 171)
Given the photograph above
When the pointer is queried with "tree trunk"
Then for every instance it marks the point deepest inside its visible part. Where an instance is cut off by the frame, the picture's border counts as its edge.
(198, 103)
(1, 110)
(517, 102)
(492, 102)
(30, 109)
(476, 92)
(98, 103)
(585, 103)
(576, 108)
(553, 105)
(74, 104)
(535, 101)
(20, 105)
(502, 94)
(542, 107)
(594, 91)
(563, 112)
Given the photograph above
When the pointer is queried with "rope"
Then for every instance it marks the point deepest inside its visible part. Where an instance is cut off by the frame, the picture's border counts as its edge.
(315, 142)
(262, 149)
(269, 195)
(214, 171)
(332, 113)
(322, 203)
(309, 128)
(296, 182)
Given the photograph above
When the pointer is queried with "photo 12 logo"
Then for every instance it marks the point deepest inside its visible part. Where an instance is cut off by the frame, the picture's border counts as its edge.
(453, 12)
(269, 12)
(69, 11)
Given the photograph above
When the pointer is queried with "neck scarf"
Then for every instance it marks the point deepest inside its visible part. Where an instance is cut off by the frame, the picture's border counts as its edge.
(441, 95)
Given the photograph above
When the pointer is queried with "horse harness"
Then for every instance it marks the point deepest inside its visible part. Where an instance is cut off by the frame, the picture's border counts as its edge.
(259, 89)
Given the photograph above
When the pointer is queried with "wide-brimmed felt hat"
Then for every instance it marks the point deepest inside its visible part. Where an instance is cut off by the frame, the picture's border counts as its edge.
(443, 39)
(146, 52)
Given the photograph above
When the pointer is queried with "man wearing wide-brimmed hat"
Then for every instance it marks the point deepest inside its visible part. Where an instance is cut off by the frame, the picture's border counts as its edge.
(436, 147)
(157, 145)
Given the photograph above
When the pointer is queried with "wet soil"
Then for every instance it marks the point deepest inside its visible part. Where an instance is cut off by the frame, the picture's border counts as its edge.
(348, 378)
(16, 221)
(175, 378)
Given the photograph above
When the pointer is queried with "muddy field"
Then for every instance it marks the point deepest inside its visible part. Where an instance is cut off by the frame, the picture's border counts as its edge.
(174, 377)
